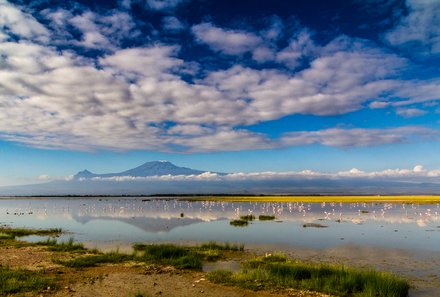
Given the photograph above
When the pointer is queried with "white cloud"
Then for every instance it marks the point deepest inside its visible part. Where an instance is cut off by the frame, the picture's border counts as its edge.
(412, 92)
(300, 46)
(417, 173)
(163, 4)
(378, 104)
(410, 112)
(231, 42)
(17, 22)
(104, 32)
(123, 100)
(189, 130)
(355, 137)
(420, 29)
(172, 24)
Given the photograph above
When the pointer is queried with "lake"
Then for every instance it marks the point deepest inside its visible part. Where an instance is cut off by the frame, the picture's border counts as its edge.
(118, 222)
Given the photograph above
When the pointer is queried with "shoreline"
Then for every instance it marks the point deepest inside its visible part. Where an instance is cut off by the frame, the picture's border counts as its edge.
(413, 199)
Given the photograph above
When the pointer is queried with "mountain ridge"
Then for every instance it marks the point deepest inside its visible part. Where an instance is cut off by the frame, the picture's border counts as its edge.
(152, 168)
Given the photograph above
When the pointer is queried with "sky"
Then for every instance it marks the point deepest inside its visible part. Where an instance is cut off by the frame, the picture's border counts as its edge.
(225, 86)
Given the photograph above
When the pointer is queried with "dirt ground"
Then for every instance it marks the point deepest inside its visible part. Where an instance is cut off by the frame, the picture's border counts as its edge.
(129, 279)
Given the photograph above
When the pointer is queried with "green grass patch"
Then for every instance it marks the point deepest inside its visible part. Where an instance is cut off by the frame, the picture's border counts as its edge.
(69, 246)
(276, 271)
(182, 256)
(212, 245)
(95, 260)
(169, 254)
(21, 281)
(248, 217)
(10, 233)
(239, 223)
(266, 217)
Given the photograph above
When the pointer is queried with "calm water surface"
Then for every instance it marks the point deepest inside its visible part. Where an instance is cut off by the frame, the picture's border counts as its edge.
(104, 222)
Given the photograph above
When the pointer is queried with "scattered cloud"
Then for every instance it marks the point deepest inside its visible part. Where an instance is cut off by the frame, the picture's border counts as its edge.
(97, 31)
(410, 112)
(300, 47)
(148, 97)
(16, 22)
(356, 137)
(163, 4)
(378, 104)
(419, 31)
(172, 24)
(230, 42)
(389, 174)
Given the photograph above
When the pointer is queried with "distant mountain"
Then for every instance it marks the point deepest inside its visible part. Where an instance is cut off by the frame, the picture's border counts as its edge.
(147, 169)
(84, 183)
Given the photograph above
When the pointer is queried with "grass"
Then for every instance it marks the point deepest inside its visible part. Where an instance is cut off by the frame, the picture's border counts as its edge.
(95, 260)
(184, 257)
(248, 217)
(10, 233)
(21, 281)
(416, 199)
(314, 225)
(276, 271)
(162, 254)
(170, 254)
(239, 223)
(266, 217)
(69, 246)
(212, 245)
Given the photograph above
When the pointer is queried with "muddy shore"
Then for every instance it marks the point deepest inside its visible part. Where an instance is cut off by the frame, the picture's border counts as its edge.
(129, 279)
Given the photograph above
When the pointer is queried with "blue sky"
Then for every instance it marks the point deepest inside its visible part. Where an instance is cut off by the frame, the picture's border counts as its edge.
(231, 86)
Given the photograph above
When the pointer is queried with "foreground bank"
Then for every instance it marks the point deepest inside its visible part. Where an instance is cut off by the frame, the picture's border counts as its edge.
(50, 268)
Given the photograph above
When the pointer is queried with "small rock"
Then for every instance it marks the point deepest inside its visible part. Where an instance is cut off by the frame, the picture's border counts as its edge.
(193, 285)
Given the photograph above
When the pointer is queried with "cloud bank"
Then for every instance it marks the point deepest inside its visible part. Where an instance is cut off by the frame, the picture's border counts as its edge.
(68, 80)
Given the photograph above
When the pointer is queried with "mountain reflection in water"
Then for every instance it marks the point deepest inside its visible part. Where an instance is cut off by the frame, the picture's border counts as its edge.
(102, 220)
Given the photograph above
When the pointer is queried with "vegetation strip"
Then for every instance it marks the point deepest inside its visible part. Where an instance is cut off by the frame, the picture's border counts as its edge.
(20, 232)
(266, 217)
(20, 280)
(318, 199)
(267, 272)
(276, 271)
(163, 254)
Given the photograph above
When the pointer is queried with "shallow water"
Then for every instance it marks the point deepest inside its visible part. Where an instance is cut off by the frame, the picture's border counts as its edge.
(104, 222)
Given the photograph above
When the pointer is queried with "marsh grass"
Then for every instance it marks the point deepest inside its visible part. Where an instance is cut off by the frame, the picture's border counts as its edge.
(248, 217)
(239, 223)
(21, 281)
(94, 260)
(11, 233)
(69, 246)
(169, 254)
(266, 217)
(212, 245)
(183, 256)
(276, 271)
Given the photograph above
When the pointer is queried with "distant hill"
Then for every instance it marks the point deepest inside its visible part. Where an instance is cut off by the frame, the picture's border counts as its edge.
(154, 168)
